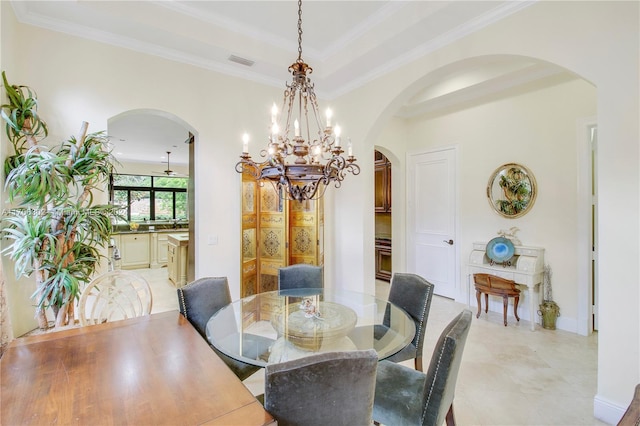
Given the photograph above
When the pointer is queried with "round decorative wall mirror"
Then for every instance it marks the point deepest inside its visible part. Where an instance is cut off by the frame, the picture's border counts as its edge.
(512, 190)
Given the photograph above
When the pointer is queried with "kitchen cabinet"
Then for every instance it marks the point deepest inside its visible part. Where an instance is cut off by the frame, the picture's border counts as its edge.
(383, 259)
(163, 244)
(382, 191)
(134, 250)
(177, 256)
(158, 247)
(143, 249)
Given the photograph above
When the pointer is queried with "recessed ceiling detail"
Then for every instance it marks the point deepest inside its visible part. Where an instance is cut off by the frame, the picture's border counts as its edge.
(349, 44)
(342, 38)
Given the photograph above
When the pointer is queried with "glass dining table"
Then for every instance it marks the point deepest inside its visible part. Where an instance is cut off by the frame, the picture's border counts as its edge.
(277, 326)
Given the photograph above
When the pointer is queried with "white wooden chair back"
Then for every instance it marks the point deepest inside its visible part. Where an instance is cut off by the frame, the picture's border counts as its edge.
(115, 295)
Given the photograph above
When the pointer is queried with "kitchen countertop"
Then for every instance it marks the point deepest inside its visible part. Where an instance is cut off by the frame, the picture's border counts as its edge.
(179, 238)
(154, 231)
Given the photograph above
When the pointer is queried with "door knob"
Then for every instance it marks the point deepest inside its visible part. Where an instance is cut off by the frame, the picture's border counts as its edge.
(450, 242)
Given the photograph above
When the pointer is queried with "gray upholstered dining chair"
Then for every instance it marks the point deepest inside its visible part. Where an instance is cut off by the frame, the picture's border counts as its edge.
(413, 294)
(331, 388)
(406, 396)
(199, 300)
(300, 275)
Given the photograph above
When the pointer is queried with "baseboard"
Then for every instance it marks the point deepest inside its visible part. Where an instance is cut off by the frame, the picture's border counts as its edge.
(567, 324)
(607, 411)
(562, 322)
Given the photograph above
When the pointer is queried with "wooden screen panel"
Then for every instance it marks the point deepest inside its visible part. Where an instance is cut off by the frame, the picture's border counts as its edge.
(249, 246)
(272, 237)
(304, 232)
(276, 232)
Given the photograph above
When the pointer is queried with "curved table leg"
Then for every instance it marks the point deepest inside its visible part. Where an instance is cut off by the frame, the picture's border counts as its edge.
(478, 296)
(505, 304)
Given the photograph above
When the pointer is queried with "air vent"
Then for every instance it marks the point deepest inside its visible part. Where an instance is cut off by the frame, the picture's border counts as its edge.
(241, 61)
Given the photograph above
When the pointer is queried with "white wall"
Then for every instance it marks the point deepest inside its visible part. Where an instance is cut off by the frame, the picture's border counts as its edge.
(17, 294)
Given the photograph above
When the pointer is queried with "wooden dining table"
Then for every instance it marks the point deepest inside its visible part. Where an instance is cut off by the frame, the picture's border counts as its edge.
(150, 370)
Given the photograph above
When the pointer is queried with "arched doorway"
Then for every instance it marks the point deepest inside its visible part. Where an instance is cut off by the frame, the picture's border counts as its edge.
(160, 145)
(464, 104)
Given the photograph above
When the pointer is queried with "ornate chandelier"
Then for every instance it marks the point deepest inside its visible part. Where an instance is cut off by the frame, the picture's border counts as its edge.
(301, 167)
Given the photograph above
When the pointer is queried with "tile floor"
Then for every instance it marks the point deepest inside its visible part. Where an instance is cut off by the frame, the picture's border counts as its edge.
(509, 375)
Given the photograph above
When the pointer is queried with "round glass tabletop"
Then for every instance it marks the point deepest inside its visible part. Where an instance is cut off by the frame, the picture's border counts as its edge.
(278, 326)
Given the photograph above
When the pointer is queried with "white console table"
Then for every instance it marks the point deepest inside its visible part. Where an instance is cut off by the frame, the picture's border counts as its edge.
(526, 268)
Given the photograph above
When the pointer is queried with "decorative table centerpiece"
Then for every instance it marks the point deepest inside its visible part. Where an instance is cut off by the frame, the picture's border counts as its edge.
(309, 324)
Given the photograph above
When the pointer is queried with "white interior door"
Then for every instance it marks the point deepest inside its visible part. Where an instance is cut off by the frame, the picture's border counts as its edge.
(431, 218)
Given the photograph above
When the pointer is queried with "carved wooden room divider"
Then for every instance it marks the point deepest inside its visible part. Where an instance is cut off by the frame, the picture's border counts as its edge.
(276, 232)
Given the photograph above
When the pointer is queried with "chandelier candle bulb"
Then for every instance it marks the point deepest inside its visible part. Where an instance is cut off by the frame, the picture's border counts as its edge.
(337, 132)
(296, 125)
(245, 143)
(350, 150)
(274, 113)
(329, 114)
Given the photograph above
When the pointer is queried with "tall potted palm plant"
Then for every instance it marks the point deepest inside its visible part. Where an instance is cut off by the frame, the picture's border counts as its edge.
(55, 230)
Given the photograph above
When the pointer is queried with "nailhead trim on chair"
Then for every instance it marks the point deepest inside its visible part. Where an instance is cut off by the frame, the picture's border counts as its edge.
(424, 311)
(184, 305)
(424, 411)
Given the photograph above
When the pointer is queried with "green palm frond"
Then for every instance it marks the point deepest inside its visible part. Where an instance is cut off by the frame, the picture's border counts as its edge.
(58, 289)
(11, 162)
(90, 224)
(64, 278)
(33, 242)
(40, 178)
(22, 108)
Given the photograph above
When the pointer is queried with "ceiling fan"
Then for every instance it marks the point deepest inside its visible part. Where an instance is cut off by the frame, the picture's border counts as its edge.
(168, 172)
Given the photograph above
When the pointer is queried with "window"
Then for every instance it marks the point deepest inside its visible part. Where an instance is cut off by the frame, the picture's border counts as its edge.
(149, 197)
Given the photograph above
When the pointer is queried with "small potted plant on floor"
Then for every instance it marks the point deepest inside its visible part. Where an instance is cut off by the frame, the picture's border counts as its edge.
(549, 310)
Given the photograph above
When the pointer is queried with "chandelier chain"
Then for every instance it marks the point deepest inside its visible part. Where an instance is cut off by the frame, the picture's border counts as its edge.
(299, 30)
